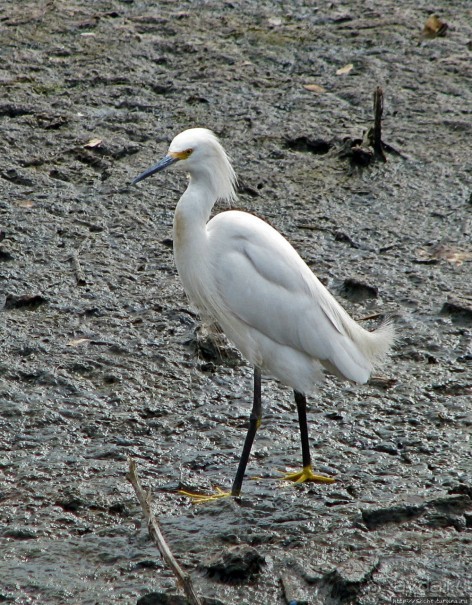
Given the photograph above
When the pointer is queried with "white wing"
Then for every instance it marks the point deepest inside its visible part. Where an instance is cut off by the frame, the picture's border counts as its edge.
(264, 282)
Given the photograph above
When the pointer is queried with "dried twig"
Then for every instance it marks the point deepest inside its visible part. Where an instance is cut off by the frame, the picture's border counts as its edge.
(79, 272)
(363, 152)
(368, 317)
(377, 134)
(183, 579)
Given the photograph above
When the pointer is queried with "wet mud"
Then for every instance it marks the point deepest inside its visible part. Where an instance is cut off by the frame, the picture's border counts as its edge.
(102, 358)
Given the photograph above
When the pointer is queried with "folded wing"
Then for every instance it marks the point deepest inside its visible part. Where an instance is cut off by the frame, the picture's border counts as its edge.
(265, 284)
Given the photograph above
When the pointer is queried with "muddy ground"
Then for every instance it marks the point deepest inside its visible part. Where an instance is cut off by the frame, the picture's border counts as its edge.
(101, 356)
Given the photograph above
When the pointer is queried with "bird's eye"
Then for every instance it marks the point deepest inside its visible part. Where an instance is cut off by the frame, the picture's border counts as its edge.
(183, 155)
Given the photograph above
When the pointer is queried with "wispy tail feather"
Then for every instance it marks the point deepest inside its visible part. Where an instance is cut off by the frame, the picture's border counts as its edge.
(377, 343)
(362, 351)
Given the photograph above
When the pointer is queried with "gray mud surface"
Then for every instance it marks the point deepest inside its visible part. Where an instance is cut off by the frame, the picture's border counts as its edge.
(110, 363)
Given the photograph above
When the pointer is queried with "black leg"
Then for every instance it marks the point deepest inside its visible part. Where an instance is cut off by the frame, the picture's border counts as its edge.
(254, 423)
(300, 400)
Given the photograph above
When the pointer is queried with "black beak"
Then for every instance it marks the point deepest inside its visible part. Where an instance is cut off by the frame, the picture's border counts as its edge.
(166, 161)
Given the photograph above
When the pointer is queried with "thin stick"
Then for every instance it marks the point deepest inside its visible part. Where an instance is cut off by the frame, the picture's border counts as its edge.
(373, 316)
(183, 579)
(79, 272)
(378, 110)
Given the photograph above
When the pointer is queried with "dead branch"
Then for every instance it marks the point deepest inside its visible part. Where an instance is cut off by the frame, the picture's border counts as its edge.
(377, 134)
(363, 152)
(183, 579)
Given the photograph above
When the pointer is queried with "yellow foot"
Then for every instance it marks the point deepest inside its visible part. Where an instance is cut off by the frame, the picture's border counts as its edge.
(307, 474)
(201, 498)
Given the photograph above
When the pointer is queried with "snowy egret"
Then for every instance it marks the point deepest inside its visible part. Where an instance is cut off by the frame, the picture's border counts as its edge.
(241, 273)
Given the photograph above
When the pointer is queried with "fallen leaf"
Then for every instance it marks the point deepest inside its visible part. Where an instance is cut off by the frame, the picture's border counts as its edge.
(456, 257)
(275, 21)
(24, 203)
(344, 70)
(425, 257)
(78, 341)
(314, 88)
(93, 143)
(434, 27)
(450, 254)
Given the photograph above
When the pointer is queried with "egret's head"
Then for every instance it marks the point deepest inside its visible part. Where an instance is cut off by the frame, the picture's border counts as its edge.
(199, 152)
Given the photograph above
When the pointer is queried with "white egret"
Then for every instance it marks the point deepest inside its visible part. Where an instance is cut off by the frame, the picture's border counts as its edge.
(243, 274)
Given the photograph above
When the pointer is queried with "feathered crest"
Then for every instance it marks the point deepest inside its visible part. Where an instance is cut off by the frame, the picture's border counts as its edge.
(208, 160)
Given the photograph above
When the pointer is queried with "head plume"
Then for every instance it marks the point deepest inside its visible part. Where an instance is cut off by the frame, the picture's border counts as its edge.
(203, 156)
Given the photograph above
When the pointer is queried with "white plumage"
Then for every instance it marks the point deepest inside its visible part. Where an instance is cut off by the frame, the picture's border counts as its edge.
(243, 274)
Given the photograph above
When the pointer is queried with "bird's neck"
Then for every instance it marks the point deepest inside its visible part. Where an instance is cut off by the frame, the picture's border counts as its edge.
(190, 219)
(191, 242)
(193, 212)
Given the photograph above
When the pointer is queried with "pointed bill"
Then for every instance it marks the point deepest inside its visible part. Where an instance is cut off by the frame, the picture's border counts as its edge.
(164, 163)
